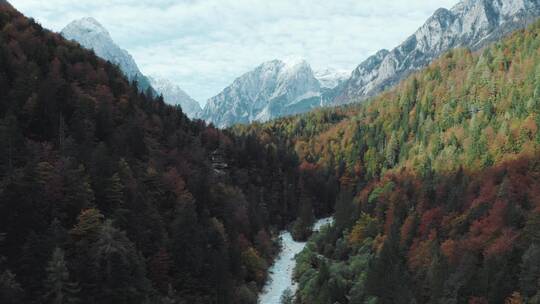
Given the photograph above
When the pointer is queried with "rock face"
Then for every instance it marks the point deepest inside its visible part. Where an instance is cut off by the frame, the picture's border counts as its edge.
(277, 88)
(273, 89)
(471, 23)
(92, 35)
(173, 94)
(330, 78)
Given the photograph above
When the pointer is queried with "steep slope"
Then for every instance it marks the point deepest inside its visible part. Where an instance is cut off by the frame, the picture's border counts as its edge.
(471, 23)
(174, 95)
(111, 196)
(330, 78)
(92, 35)
(273, 89)
(439, 180)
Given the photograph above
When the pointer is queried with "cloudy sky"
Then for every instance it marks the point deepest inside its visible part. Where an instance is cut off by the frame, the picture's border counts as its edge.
(203, 45)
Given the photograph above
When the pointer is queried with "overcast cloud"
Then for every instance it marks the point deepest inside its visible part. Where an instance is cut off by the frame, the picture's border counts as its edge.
(203, 45)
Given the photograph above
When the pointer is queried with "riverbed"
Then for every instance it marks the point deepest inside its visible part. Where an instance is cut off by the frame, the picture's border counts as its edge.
(281, 272)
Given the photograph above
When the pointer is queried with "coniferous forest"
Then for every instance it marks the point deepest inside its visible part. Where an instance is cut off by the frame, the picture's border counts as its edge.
(109, 195)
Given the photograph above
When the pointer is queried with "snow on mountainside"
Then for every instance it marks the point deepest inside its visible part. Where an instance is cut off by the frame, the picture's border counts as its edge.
(330, 78)
(89, 33)
(273, 89)
(173, 94)
(471, 23)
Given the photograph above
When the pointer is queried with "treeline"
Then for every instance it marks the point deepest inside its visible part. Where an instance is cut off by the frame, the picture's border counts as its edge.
(438, 198)
(108, 195)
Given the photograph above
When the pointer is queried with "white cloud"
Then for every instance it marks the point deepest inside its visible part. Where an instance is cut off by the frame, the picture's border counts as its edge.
(203, 45)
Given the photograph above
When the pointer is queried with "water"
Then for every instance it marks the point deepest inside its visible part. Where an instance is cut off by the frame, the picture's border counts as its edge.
(282, 271)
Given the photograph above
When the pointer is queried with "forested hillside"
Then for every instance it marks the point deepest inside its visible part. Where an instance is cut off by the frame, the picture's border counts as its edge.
(439, 198)
(111, 196)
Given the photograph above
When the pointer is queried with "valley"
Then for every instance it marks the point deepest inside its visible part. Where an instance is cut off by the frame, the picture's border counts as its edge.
(413, 179)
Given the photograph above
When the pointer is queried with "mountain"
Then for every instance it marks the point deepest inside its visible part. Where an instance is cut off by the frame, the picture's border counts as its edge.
(174, 95)
(439, 183)
(471, 23)
(92, 35)
(111, 196)
(331, 78)
(273, 89)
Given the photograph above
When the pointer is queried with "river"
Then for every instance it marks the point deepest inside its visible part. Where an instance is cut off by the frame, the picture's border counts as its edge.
(281, 272)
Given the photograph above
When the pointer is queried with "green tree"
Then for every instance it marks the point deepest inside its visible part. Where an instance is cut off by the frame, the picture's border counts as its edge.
(118, 271)
(11, 291)
(530, 271)
(303, 224)
(59, 288)
(287, 297)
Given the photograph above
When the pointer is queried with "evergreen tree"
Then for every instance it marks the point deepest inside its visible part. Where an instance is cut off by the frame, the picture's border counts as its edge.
(59, 288)
(530, 271)
(11, 291)
(118, 271)
(114, 193)
(303, 224)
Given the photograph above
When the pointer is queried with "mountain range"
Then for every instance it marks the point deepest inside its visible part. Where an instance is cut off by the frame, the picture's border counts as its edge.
(264, 93)
(174, 95)
(286, 87)
(273, 89)
(471, 24)
(92, 35)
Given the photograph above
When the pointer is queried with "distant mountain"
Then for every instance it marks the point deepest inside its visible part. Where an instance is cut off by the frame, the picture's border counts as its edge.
(471, 23)
(273, 89)
(330, 78)
(92, 35)
(173, 94)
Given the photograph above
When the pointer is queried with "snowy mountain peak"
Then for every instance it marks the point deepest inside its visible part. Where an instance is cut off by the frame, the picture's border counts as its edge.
(89, 33)
(331, 78)
(273, 89)
(470, 23)
(173, 94)
(86, 26)
(292, 62)
(92, 35)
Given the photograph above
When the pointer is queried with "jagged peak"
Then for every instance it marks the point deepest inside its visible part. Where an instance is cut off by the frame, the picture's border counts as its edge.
(382, 53)
(441, 13)
(292, 61)
(86, 25)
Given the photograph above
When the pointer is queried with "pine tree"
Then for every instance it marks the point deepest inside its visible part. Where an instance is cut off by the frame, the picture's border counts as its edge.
(345, 210)
(114, 195)
(392, 150)
(118, 270)
(10, 290)
(306, 218)
(59, 288)
(530, 271)
(532, 228)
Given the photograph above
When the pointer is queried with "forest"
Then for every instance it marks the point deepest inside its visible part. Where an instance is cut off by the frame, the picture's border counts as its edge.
(438, 199)
(108, 195)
